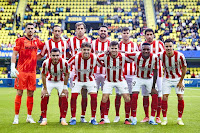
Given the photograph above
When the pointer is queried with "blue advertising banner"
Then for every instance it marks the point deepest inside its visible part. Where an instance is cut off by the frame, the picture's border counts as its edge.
(191, 54)
(9, 82)
(89, 19)
(5, 53)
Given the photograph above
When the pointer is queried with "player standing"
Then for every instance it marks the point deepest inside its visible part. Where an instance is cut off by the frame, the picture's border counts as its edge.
(25, 74)
(156, 47)
(84, 63)
(114, 64)
(146, 63)
(98, 47)
(55, 42)
(125, 46)
(56, 69)
(74, 45)
(175, 68)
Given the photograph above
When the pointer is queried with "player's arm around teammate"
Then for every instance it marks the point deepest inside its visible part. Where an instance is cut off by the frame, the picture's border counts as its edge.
(84, 63)
(114, 63)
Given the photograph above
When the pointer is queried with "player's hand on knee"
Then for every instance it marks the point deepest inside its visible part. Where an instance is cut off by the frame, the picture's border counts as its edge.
(180, 86)
(44, 93)
(14, 72)
(154, 91)
(65, 91)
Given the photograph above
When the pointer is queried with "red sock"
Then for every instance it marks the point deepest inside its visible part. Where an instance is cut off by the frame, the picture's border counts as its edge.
(107, 106)
(64, 107)
(117, 104)
(73, 104)
(146, 106)
(59, 103)
(102, 109)
(44, 102)
(134, 104)
(164, 108)
(127, 109)
(93, 104)
(83, 105)
(17, 104)
(154, 104)
(180, 108)
(29, 103)
(159, 106)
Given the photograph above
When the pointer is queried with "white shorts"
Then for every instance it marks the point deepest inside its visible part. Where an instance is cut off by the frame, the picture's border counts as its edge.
(129, 79)
(158, 87)
(89, 85)
(71, 76)
(121, 86)
(145, 84)
(99, 78)
(169, 83)
(59, 85)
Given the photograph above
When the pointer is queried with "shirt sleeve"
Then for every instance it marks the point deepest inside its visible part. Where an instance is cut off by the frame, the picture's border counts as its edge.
(183, 61)
(18, 44)
(44, 50)
(71, 61)
(161, 47)
(156, 64)
(100, 63)
(131, 55)
(40, 44)
(66, 67)
(44, 68)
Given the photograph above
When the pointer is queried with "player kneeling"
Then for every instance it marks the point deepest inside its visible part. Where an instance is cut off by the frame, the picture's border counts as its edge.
(84, 63)
(57, 69)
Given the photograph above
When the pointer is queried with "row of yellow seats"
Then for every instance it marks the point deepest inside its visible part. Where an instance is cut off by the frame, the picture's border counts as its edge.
(3, 75)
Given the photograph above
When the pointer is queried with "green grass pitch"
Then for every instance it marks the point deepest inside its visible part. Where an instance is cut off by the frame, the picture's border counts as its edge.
(191, 115)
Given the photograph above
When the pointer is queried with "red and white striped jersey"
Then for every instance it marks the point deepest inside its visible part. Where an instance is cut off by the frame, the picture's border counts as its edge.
(74, 44)
(129, 68)
(172, 65)
(144, 67)
(156, 47)
(114, 66)
(99, 47)
(84, 68)
(50, 44)
(55, 72)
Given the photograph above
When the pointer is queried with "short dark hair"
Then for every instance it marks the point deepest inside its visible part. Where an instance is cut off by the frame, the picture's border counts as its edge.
(114, 43)
(85, 44)
(57, 26)
(104, 26)
(148, 30)
(169, 40)
(80, 23)
(55, 50)
(29, 24)
(125, 29)
(146, 44)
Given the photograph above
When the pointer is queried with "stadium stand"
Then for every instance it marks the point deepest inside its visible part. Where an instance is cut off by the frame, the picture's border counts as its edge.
(179, 20)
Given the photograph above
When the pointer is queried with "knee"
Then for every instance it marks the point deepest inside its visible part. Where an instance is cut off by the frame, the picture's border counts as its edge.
(30, 93)
(165, 97)
(104, 99)
(19, 92)
(127, 98)
(180, 97)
